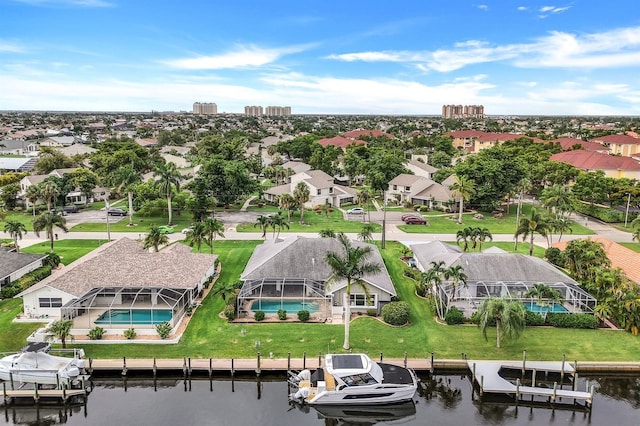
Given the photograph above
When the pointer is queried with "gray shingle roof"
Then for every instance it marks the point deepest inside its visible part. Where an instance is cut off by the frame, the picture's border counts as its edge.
(11, 261)
(300, 257)
(124, 263)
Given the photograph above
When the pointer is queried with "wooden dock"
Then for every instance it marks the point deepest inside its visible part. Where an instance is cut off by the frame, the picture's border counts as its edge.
(36, 394)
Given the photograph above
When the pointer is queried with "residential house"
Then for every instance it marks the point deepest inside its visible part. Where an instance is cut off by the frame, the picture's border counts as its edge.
(322, 189)
(15, 265)
(418, 190)
(568, 144)
(612, 165)
(623, 145)
(58, 141)
(420, 168)
(340, 142)
(24, 164)
(17, 147)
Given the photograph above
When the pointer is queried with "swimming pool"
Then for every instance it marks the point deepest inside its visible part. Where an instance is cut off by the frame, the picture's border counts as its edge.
(291, 306)
(134, 316)
(543, 309)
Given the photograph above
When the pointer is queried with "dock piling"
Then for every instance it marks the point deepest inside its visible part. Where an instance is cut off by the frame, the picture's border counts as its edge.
(258, 365)
(11, 380)
(210, 367)
(288, 361)
(90, 365)
(155, 368)
(319, 359)
(564, 358)
(524, 362)
(405, 359)
(124, 365)
(431, 369)
(304, 360)
(36, 397)
(517, 389)
(555, 391)
(473, 373)
(533, 378)
(481, 385)
(380, 356)
(189, 361)
(233, 370)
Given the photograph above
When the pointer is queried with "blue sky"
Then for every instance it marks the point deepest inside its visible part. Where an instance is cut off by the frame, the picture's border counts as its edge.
(580, 57)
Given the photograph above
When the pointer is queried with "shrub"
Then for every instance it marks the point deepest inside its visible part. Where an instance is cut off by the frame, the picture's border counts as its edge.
(282, 314)
(454, 316)
(258, 315)
(163, 329)
(555, 256)
(532, 318)
(96, 333)
(372, 312)
(396, 313)
(573, 320)
(303, 315)
(52, 260)
(188, 310)
(24, 282)
(130, 333)
(230, 312)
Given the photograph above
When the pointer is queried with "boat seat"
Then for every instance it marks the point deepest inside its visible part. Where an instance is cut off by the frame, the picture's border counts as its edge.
(330, 381)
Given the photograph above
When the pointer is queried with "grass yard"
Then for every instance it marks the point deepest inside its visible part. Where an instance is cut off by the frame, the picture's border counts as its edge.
(633, 246)
(68, 250)
(507, 225)
(314, 222)
(13, 335)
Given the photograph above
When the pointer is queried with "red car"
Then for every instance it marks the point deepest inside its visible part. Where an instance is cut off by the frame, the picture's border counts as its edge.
(415, 220)
(408, 215)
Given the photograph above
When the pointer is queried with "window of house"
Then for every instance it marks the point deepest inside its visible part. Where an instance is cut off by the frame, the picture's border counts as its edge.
(360, 300)
(319, 191)
(331, 190)
(407, 188)
(50, 302)
(395, 187)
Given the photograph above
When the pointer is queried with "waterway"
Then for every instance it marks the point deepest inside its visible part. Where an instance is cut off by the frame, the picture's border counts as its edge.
(444, 400)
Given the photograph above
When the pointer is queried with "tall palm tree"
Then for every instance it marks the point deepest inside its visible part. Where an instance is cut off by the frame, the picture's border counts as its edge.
(465, 236)
(197, 235)
(635, 236)
(522, 186)
(456, 275)
(463, 188)
(125, 178)
(46, 222)
(363, 197)
(168, 181)
(529, 226)
(287, 202)
(214, 228)
(543, 292)
(436, 274)
(263, 222)
(33, 195)
(155, 238)
(61, 330)
(509, 316)
(561, 224)
(558, 199)
(482, 235)
(352, 264)
(50, 191)
(277, 223)
(366, 234)
(15, 229)
(301, 195)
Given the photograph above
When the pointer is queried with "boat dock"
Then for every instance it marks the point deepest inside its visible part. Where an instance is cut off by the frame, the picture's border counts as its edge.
(489, 378)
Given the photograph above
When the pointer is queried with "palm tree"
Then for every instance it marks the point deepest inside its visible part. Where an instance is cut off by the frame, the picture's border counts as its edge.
(263, 222)
(531, 225)
(465, 236)
(46, 222)
(482, 235)
(509, 316)
(543, 292)
(350, 265)
(214, 228)
(363, 197)
(301, 195)
(278, 222)
(635, 236)
(287, 202)
(169, 179)
(436, 274)
(61, 330)
(463, 188)
(49, 191)
(561, 224)
(125, 178)
(523, 185)
(456, 274)
(15, 229)
(33, 194)
(558, 199)
(327, 233)
(366, 234)
(197, 235)
(155, 238)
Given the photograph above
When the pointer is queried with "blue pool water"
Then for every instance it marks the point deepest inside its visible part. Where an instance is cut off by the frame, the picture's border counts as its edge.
(543, 309)
(291, 306)
(136, 316)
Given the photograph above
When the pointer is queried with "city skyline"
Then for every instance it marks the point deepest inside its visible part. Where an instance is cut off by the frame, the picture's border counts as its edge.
(524, 58)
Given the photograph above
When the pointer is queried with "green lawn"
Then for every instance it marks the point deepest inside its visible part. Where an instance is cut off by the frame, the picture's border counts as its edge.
(314, 222)
(24, 217)
(13, 335)
(632, 246)
(68, 250)
(444, 224)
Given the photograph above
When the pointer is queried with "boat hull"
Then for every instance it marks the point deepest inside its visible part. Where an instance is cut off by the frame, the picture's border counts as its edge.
(364, 397)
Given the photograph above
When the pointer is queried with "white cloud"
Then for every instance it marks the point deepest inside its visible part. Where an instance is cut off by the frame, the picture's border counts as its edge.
(553, 9)
(242, 57)
(482, 7)
(522, 8)
(11, 47)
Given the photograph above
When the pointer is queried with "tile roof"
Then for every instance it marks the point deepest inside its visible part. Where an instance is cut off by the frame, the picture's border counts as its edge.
(405, 179)
(356, 134)
(620, 257)
(339, 141)
(588, 160)
(124, 263)
(465, 133)
(568, 143)
(617, 139)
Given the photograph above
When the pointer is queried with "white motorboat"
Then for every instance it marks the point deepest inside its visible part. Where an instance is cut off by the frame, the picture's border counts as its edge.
(354, 379)
(40, 367)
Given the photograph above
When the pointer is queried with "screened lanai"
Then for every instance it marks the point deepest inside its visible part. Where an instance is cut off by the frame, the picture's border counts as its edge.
(290, 294)
(573, 299)
(126, 307)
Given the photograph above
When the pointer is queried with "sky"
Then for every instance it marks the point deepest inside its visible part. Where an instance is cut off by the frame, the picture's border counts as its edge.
(579, 57)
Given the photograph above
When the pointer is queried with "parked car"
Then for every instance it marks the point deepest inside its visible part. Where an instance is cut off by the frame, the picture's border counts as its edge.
(414, 220)
(186, 230)
(356, 210)
(165, 229)
(70, 209)
(117, 212)
(407, 215)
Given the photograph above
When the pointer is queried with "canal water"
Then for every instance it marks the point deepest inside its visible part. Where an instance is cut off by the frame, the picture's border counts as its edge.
(443, 400)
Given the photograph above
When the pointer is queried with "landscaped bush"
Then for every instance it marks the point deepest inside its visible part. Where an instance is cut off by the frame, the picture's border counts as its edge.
(555, 256)
(303, 315)
(605, 214)
(163, 329)
(258, 315)
(52, 260)
(230, 312)
(130, 333)
(96, 333)
(24, 282)
(396, 313)
(573, 320)
(454, 316)
(372, 312)
(414, 274)
(532, 319)
(282, 314)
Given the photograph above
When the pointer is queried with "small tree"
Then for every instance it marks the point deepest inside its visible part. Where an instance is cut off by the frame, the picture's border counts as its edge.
(15, 229)
(509, 317)
(155, 238)
(61, 330)
(163, 329)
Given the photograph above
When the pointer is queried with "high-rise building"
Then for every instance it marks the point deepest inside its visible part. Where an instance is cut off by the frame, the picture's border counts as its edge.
(278, 111)
(207, 108)
(459, 111)
(253, 111)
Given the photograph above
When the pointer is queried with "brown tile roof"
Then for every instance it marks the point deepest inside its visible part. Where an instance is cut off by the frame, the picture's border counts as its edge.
(618, 139)
(356, 134)
(568, 143)
(124, 263)
(465, 133)
(339, 141)
(620, 256)
(588, 160)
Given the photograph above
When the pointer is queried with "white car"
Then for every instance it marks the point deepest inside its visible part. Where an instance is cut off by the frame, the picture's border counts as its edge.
(186, 230)
(356, 210)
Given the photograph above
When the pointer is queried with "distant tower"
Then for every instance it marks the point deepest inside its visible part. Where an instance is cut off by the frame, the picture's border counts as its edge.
(207, 108)
(253, 111)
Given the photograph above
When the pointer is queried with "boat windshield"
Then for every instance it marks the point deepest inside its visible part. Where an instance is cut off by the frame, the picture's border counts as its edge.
(359, 380)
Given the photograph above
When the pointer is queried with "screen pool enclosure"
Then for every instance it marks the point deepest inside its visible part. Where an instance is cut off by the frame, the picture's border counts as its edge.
(134, 316)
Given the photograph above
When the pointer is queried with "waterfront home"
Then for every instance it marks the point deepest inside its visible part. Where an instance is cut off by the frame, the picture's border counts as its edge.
(15, 265)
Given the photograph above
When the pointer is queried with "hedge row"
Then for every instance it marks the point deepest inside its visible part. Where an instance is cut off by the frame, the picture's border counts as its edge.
(573, 320)
(605, 214)
(24, 282)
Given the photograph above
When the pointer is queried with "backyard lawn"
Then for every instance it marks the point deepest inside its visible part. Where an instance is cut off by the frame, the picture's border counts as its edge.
(13, 335)
(68, 250)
